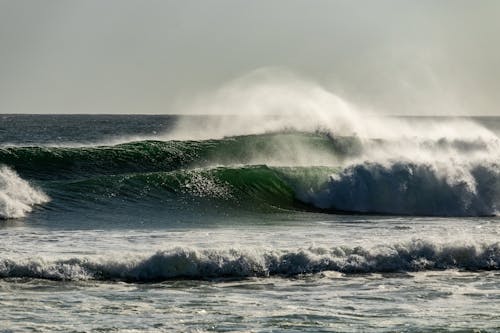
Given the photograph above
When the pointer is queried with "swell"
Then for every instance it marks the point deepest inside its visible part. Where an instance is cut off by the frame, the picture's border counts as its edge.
(186, 263)
(48, 163)
(431, 177)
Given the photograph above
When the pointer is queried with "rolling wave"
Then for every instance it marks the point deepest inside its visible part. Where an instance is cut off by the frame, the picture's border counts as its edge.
(401, 188)
(406, 188)
(17, 196)
(47, 163)
(186, 263)
(286, 170)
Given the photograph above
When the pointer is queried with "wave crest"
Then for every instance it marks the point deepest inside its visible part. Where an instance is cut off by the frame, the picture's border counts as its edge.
(17, 196)
(412, 189)
(447, 176)
(185, 263)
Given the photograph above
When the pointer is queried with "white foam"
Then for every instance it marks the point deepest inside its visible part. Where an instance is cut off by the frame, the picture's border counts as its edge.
(179, 263)
(412, 189)
(17, 196)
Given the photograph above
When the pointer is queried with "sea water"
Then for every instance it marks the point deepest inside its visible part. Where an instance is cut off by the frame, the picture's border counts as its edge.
(120, 223)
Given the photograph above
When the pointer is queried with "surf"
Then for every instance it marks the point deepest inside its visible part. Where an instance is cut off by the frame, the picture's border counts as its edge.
(347, 174)
(17, 196)
(254, 136)
(233, 263)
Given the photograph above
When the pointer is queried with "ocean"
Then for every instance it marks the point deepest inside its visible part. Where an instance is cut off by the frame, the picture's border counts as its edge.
(141, 223)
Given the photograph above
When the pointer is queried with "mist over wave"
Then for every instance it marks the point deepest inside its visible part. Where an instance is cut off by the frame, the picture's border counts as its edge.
(427, 166)
(273, 100)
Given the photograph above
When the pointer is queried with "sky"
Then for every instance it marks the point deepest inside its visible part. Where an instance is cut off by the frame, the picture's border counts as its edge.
(152, 56)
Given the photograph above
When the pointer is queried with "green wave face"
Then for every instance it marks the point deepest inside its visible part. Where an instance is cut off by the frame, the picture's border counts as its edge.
(231, 172)
(253, 187)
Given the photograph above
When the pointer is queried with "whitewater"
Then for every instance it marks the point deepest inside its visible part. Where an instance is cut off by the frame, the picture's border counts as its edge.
(302, 212)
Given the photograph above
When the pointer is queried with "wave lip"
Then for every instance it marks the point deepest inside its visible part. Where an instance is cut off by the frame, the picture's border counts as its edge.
(17, 196)
(185, 263)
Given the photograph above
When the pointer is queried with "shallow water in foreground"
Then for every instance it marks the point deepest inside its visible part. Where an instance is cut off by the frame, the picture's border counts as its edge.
(426, 301)
(454, 300)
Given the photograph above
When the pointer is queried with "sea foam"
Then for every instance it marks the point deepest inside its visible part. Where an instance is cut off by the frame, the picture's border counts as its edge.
(189, 263)
(412, 189)
(17, 196)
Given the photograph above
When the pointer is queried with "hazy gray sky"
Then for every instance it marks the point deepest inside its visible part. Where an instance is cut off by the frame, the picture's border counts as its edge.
(143, 56)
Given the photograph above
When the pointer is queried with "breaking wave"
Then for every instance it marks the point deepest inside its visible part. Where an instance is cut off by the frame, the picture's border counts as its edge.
(411, 189)
(289, 169)
(186, 263)
(17, 196)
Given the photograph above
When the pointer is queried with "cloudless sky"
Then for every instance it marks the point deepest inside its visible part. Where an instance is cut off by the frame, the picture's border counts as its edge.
(144, 56)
